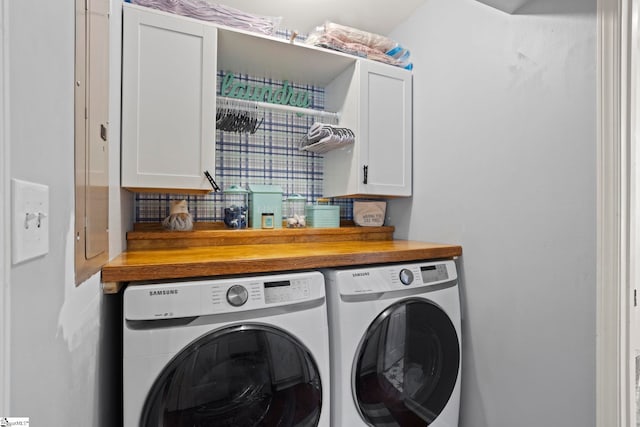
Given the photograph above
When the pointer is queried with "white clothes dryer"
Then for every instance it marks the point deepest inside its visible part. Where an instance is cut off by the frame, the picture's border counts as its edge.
(241, 351)
(395, 340)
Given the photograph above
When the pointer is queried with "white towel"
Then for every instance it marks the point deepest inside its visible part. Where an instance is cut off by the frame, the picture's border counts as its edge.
(323, 137)
(217, 13)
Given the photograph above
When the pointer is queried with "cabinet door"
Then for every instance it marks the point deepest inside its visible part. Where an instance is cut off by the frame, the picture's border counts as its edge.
(91, 137)
(168, 102)
(385, 129)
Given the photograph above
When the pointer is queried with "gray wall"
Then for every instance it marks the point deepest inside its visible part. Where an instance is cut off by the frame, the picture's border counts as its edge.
(64, 349)
(505, 165)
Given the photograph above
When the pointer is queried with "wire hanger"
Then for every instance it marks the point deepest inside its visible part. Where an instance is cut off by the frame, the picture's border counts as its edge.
(233, 117)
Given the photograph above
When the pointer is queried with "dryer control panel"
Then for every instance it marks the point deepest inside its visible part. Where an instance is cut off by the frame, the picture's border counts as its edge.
(391, 278)
(152, 301)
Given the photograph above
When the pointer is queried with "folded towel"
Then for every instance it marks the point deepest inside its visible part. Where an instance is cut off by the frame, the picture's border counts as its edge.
(322, 137)
(360, 43)
(217, 13)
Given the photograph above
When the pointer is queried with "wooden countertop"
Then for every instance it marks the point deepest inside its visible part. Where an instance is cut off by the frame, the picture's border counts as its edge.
(195, 261)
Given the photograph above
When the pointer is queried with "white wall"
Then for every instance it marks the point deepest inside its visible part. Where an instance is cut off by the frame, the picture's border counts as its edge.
(505, 165)
(63, 338)
(4, 246)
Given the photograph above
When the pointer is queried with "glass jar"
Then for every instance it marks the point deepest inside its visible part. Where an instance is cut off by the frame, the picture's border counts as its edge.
(295, 216)
(235, 211)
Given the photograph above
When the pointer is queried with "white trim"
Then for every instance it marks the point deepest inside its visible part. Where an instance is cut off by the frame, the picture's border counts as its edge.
(633, 67)
(614, 397)
(4, 211)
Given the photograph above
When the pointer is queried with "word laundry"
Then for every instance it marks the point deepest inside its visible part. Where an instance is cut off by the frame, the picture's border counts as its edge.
(284, 95)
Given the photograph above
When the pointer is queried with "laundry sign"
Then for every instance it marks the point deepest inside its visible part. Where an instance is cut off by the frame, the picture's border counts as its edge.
(283, 95)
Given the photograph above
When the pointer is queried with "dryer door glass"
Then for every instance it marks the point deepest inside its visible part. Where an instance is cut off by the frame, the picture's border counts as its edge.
(248, 375)
(407, 365)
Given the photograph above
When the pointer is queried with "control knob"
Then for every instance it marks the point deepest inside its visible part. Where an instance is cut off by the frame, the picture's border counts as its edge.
(406, 276)
(237, 295)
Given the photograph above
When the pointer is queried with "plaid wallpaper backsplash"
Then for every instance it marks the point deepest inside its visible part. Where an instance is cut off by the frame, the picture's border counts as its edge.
(269, 156)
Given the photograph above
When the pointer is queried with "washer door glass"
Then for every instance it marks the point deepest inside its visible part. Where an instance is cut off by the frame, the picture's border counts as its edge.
(407, 365)
(239, 376)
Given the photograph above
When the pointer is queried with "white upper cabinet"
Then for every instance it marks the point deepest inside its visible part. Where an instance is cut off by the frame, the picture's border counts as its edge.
(168, 102)
(375, 101)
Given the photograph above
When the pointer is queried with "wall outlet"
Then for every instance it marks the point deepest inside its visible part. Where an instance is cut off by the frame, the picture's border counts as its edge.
(30, 220)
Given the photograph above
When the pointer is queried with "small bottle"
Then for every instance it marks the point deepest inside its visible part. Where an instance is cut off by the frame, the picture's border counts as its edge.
(267, 220)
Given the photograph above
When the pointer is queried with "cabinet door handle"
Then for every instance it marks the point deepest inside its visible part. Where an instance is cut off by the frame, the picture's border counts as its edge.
(212, 182)
(365, 170)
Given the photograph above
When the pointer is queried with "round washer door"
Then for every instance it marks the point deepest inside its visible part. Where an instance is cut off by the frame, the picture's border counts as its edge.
(248, 375)
(407, 365)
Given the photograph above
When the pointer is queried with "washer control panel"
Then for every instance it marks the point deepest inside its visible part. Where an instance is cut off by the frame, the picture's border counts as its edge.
(197, 298)
(285, 291)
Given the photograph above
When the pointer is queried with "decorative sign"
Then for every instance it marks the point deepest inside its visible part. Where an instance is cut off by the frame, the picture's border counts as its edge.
(284, 95)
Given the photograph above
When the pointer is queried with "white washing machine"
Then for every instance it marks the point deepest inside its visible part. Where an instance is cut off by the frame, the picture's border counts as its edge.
(248, 351)
(395, 343)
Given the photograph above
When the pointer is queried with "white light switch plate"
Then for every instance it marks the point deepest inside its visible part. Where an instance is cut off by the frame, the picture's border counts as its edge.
(30, 221)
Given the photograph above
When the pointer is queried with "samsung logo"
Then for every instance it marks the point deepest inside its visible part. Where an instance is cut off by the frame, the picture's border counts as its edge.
(366, 273)
(164, 292)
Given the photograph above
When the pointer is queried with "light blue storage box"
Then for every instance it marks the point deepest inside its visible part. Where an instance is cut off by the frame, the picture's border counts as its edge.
(265, 199)
(322, 216)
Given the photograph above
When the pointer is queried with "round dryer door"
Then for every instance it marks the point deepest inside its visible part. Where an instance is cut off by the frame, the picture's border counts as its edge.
(248, 375)
(407, 365)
